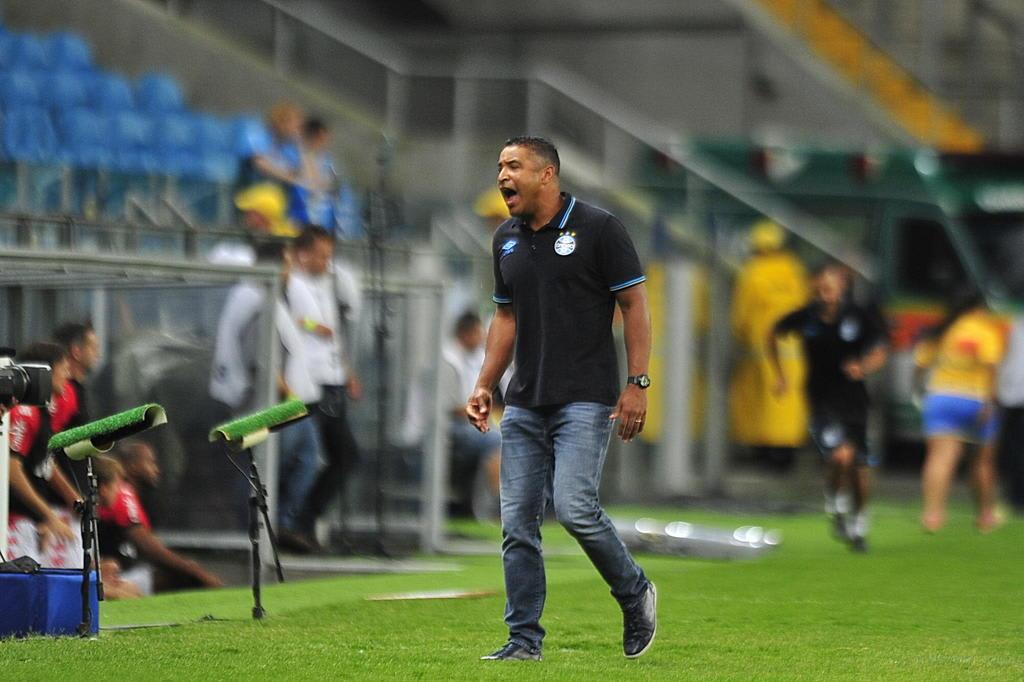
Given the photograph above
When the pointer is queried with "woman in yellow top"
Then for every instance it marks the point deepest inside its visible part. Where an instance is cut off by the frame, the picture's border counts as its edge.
(962, 354)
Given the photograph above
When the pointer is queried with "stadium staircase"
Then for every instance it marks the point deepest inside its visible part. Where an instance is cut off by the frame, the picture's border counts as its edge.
(865, 66)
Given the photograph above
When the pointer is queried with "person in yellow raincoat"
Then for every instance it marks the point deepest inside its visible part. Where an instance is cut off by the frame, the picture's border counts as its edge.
(771, 284)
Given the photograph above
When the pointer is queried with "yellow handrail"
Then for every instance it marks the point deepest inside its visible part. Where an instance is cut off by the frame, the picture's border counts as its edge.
(853, 55)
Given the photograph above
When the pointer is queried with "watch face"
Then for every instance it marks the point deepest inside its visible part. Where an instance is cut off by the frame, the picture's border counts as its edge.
(641, 380)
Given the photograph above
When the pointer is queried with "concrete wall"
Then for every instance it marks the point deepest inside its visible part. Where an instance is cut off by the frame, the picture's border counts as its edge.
(690, 82)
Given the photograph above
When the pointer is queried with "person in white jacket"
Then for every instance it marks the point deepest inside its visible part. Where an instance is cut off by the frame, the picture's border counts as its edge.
(324, 302)
(232, 383)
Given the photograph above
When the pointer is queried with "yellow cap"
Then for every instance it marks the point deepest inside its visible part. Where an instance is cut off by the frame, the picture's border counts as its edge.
(268, 200)
(766, 235)
(490, 204)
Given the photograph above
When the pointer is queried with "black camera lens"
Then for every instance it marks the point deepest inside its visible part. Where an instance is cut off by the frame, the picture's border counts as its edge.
(39, 387)
(25, 384)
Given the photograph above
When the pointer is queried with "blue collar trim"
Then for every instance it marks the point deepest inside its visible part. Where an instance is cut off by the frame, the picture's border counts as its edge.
(568, 210)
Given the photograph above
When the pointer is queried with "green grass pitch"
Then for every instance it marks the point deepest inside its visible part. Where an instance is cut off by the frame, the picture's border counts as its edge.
(944, 607)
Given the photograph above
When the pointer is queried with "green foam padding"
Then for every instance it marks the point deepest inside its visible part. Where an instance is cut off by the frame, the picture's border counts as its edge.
(112, 428)
(282, 413)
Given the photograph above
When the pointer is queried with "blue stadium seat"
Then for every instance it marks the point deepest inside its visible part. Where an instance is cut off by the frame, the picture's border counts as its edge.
(159, 93)
(28, 135)
(65, 90)
(69, 52)
(85, 139)
(6, 51)
(217, 167)
(29, 51)
(133, 141)
(176, 131)
(214, 134)
(205, 188)
(251, 136)
(178, 162)
(19, 89)
(132, 130)
(137, 161)
(111, 93)
(57, 106)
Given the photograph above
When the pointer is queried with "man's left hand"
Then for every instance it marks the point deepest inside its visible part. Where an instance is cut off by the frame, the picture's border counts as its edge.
(632, 411)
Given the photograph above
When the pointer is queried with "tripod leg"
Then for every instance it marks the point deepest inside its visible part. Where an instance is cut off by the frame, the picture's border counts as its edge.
(273, 542)
(100, 594)
(88, 526)
(85, 627)
(254, 541)
(259, 498)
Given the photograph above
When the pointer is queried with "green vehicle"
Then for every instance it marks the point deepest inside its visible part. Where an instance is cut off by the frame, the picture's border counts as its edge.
(926, 223)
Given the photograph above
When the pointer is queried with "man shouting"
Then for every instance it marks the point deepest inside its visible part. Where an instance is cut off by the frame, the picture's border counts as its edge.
(560, 267)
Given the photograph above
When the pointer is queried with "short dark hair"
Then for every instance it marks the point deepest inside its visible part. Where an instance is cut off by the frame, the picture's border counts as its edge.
(466, 321)
(314, 126)
(43, 351)
(540, 146)
(310, 235)
(832, 264)
(72, 333)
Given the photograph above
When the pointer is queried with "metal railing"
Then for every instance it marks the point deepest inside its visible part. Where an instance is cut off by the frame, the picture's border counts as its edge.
(141, 235)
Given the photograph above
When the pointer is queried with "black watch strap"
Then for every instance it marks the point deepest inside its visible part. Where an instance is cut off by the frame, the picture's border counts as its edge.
(641, 380)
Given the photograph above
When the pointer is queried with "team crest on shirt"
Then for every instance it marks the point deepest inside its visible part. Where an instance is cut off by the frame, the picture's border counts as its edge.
(849, 329)
(508, 247)
(565, 244)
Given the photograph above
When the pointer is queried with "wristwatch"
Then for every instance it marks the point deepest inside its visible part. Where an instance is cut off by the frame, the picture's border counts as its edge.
(641, 380)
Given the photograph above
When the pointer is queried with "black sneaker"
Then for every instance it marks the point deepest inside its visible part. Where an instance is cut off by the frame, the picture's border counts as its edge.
(292, 541)
(859, 544)
(514, 651)
(640, 623)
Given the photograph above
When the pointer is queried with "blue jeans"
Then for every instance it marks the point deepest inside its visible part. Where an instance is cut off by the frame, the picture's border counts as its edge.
(556, 453)
(299, 457)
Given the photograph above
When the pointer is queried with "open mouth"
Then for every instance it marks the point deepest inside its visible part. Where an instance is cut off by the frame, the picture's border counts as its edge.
(510, 195)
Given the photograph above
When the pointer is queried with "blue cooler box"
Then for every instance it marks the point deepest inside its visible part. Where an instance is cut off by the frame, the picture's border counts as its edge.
(45, 603)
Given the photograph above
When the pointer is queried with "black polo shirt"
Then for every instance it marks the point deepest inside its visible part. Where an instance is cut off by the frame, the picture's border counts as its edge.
(854, 333)
(561, 282)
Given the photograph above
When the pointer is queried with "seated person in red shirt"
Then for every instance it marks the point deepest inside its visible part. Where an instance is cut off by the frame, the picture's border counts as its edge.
(142, 472)
(126, 536)
(41, 522)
